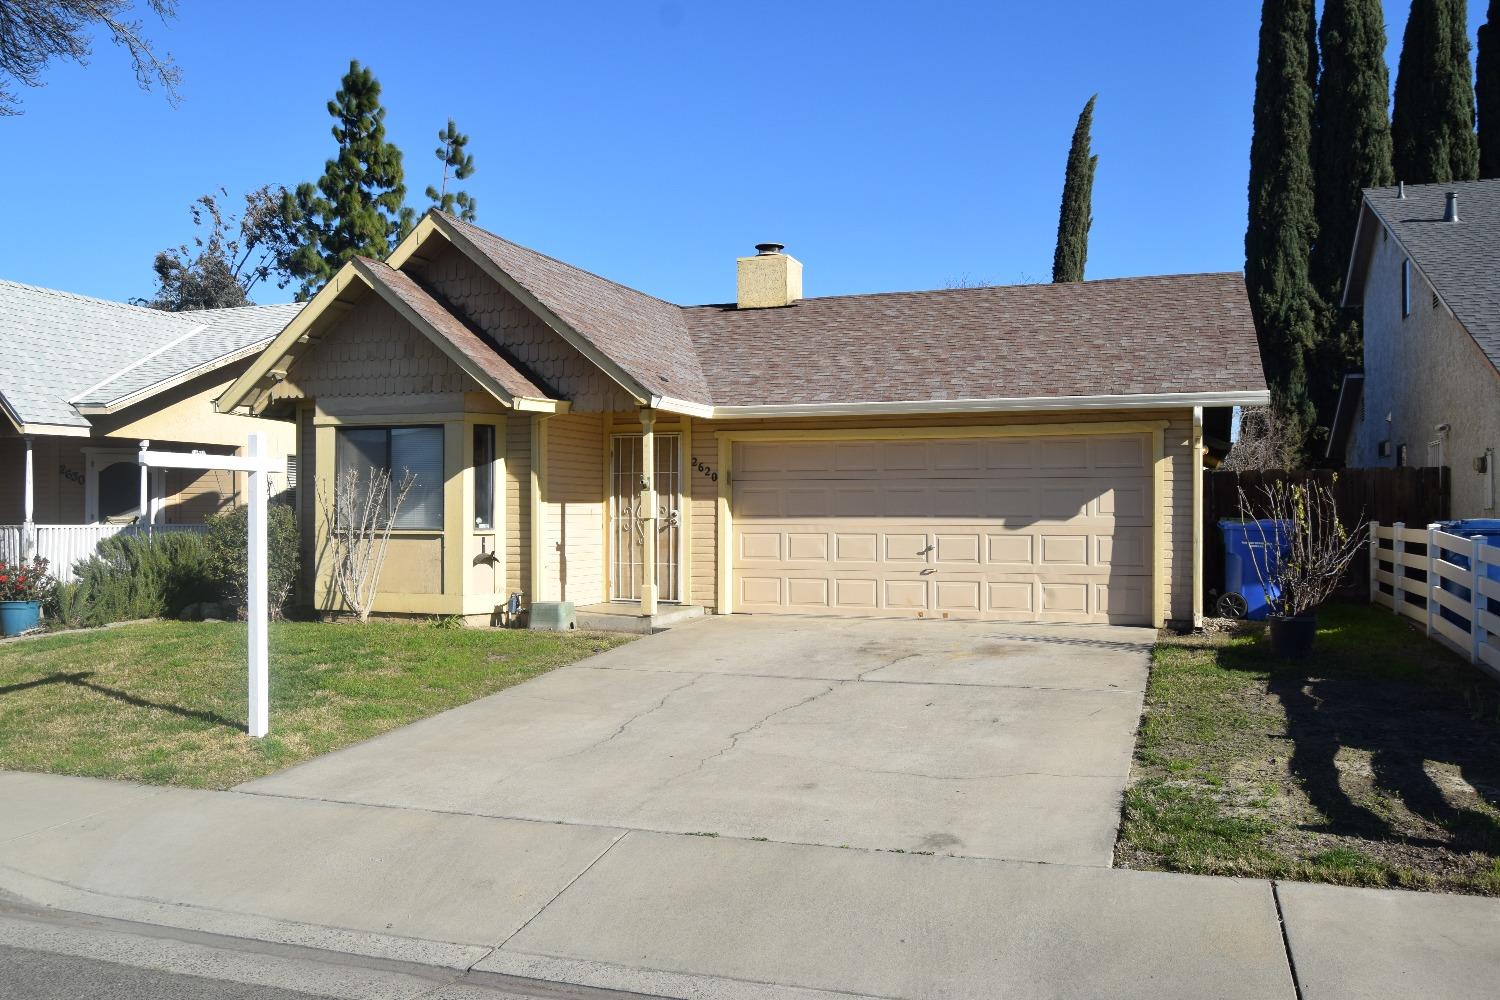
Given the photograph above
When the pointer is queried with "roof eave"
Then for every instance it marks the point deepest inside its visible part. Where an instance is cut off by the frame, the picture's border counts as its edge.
(1001, 404)
(171, 382)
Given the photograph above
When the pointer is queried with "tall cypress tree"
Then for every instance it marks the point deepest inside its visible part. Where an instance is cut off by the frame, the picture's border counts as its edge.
(458, 165)
(1282, 226)
(1076, 215)
(1352, 135)
(1487, 89)
(1432, 127)
(358, 205)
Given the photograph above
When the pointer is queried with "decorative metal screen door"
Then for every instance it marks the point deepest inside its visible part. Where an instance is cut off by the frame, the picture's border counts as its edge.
(627, 540)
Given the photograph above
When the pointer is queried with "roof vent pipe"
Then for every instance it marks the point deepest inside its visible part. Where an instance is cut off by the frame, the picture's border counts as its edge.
(1450, 213)
(1401, 190)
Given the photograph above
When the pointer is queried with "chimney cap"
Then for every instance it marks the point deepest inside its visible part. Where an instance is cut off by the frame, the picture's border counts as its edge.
(764, 249)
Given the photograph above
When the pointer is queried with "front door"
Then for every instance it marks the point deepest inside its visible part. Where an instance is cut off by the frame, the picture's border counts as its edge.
(628, 544)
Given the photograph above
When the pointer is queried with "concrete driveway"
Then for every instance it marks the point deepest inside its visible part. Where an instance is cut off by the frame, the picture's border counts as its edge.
(962, 738)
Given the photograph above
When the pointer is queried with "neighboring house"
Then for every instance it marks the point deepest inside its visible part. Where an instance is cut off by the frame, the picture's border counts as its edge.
(1426, 273)
(83, 381)
(1025, 453)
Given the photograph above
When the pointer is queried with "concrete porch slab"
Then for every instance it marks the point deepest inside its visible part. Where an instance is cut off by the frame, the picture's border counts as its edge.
(622, 617)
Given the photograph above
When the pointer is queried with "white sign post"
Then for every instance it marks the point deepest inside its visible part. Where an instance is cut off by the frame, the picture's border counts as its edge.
(258, 465)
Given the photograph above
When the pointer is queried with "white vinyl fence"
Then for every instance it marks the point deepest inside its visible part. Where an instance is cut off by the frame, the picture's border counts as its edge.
(1412, 572)
(63, 545)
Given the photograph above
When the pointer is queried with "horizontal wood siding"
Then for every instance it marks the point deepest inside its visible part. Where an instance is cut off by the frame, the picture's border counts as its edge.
(193, 496)
(573, 510)
(518, 505)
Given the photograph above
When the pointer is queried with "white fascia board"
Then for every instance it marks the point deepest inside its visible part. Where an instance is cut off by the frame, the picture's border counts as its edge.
(146, 392)
(175, 341)
(1013, 404)
(670, 404)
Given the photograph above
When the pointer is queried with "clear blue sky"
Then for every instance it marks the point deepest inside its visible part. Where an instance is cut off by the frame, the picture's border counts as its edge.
(888, 145)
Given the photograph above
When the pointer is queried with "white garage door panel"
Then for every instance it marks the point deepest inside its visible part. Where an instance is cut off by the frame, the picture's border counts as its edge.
(1055, 529)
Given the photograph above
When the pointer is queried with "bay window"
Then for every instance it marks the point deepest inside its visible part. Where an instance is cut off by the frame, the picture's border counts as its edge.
(398, 451)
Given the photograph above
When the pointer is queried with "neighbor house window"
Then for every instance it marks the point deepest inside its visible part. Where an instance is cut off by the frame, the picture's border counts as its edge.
(484, 476)
(399, 451)
(1405, 288)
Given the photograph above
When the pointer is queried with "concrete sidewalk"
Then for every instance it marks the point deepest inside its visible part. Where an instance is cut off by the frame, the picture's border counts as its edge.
(703, 917)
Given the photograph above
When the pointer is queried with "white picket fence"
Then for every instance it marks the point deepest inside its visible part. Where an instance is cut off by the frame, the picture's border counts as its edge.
(63, 545)
(1407, 573)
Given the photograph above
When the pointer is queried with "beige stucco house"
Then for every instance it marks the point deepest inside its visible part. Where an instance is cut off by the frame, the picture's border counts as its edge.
(1427, 281)
(1028, 453)
(83, 381)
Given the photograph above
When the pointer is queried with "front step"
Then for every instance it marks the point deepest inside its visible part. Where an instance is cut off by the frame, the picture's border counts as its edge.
(628, 617)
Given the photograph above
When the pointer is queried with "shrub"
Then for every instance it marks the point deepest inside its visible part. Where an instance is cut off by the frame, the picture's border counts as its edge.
(139, 576)
(26, 581)
(228, 537)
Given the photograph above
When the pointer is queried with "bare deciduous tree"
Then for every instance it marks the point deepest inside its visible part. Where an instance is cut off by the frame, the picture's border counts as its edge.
(34, 32)
(1302, 557)
(360, 513)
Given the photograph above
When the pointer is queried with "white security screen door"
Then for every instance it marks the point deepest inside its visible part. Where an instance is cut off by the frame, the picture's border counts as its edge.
(627, 542)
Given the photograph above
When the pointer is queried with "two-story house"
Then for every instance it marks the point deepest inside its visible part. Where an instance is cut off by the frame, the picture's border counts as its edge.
(1425, 272)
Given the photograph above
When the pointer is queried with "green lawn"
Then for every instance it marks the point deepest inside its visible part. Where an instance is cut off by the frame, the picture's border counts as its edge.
(1374, 762)
(164, 702)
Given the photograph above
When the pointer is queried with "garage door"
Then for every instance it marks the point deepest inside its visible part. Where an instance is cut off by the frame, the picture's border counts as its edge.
(1017, 529)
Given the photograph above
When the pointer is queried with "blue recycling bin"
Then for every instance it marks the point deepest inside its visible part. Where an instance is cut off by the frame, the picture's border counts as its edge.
(1250, 549)
(1489, 530)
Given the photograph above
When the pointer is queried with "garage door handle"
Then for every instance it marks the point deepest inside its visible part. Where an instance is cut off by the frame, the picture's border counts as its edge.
(927, 571)
(929, 548)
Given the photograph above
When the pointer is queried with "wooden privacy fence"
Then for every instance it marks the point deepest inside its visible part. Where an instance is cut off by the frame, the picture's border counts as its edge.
(1412, 496)
(1413, 572)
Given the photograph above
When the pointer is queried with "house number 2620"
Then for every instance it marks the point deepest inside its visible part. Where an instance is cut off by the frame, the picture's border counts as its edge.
(710, 473)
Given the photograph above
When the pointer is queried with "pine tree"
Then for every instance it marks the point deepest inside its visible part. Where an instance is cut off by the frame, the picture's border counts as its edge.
(459, 165)
(1487, 88)
(1282, 226)
(1076, 215)
(1432, 127)
(358, 205)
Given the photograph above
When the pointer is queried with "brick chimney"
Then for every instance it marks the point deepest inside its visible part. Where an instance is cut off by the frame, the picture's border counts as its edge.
(769, 279)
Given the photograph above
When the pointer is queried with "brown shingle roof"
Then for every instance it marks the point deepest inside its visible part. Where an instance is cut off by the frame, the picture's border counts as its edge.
(1124, 336)
(1181, 333)
(448, 326)
(644, 335)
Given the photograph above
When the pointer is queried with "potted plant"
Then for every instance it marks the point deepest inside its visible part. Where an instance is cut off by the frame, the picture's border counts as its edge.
(1303, 552)
(23, 588)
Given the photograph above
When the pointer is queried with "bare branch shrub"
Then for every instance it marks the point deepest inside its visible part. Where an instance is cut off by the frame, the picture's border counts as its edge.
(1262, 443)
(1303, 556)
(360, 513)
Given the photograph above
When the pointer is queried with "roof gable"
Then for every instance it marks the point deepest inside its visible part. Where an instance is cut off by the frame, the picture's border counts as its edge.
(70, 355)
(1460, 260)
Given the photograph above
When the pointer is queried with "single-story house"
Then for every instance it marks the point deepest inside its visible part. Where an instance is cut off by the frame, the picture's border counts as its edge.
(83, 381)
(1026, 453)
(1425, 273)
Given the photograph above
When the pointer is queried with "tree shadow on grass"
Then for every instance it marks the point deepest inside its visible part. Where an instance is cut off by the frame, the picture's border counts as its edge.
(80, 679)
(1349, 699)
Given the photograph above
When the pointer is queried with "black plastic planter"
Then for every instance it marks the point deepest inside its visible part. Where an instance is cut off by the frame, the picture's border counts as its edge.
(1292, 638)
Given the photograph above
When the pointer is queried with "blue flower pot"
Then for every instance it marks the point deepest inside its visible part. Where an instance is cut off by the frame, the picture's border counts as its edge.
(19, 616)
